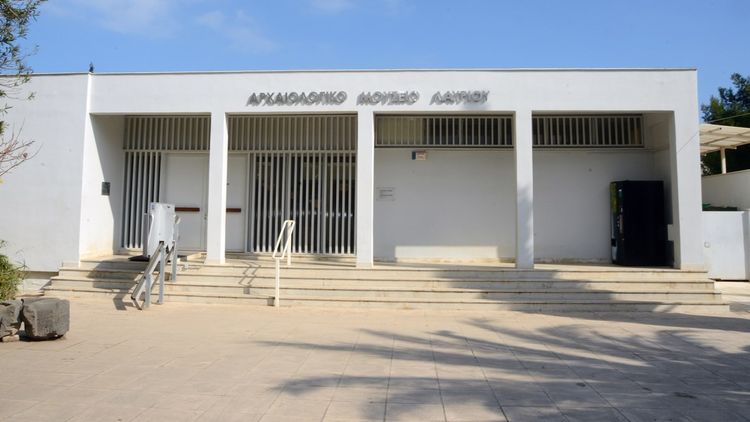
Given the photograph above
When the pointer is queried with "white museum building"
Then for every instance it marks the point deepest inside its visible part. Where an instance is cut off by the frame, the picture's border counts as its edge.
(477, 165)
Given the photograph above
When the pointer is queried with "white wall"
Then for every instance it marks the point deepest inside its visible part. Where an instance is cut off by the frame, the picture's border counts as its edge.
(657, 133)
(727, 190)
(104, 161)
(726, 236)
(643, 91)
(456, 204)
(40, 202)
(571, 200)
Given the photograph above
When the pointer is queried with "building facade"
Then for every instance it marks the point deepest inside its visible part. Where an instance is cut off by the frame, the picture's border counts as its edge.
(506, 165)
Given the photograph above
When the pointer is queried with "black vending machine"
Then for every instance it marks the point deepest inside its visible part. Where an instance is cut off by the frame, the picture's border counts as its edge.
(639, 229)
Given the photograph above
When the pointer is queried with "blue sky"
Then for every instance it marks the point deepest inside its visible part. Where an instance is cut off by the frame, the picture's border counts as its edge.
(184, 35)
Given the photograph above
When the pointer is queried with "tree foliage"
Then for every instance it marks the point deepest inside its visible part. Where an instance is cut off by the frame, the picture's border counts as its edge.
(730, 108)
(15, 17)
(11, 276)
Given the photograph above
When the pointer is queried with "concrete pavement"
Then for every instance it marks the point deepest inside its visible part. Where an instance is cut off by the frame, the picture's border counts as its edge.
(187, 362)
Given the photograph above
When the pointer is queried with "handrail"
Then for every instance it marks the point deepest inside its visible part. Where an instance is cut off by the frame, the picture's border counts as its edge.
(287, 229)
(163, 253)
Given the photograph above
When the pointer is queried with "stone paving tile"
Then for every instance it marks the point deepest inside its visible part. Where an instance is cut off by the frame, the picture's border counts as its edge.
(290, 409)
(349, 365)
(107, 413)
(588, 414)
(655, 415)
(52, 412)
(415, 395)
(533, 414)
(413, 411)
(355, 411)
(8, 408)
(473, 411)
(167, 415)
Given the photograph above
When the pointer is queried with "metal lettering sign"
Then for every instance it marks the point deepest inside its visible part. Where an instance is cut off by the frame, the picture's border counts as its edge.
(296, 98)
(388, 98)
(365, 98)
(460, 97)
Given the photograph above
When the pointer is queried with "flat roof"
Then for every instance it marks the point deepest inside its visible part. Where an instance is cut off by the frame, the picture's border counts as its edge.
(219, 72)
(716, 137)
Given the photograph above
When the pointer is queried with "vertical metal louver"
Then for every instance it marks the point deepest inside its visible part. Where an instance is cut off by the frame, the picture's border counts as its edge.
(145, 140)
(302, 167)
(437, 131)
(592, 131)
(167, 133)
(316, 189)
(293, 133)
(142, 174)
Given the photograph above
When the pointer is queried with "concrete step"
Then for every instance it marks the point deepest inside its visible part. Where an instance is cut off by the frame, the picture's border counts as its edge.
(246, 274)
(423, 286)
(197, 282)
(696, 306)
(521, 293)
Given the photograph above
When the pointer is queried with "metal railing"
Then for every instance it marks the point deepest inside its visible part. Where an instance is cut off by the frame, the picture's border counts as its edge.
(164, 253)
(287, 229)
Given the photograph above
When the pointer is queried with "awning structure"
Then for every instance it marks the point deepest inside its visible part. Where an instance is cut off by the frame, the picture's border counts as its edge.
(721, 138)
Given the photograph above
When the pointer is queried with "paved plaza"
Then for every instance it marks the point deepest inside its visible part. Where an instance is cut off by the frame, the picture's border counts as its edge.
(186, 362)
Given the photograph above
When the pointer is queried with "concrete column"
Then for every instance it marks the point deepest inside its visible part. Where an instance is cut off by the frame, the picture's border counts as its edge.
(684, 157)
(365, 187)
(524, 190)
(217, 190)
(723, 160)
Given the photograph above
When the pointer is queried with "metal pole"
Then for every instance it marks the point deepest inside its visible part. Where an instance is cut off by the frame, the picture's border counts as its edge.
(289, 228)
(174, 262)
(162, 257)
(175, 257)
(147, 300)
(276, 297)
(723, 160)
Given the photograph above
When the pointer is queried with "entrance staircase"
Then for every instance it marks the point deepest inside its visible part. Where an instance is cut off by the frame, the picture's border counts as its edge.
(331, 283)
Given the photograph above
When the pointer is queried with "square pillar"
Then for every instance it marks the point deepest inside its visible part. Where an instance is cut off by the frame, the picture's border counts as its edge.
(522, 148)
(365, 187)
(684, 157)
(217, 190)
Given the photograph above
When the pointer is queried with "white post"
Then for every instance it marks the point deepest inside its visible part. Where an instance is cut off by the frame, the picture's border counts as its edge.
(147, 298)
(217, 190)
(276, 299)
(365, 187)
(289, 232)
(162, 258)
(723, 152)
(684, 155)
(524, 190)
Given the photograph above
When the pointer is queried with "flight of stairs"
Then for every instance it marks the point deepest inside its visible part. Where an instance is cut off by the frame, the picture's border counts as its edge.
(311, 282)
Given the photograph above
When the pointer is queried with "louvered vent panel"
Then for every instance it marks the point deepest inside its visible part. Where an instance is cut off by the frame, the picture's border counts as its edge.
(167, 133)
(593, 131)
(293, 133)
(438, 131)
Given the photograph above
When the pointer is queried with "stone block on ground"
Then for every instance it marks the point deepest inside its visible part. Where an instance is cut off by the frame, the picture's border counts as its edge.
(10, 321)
(45, 318)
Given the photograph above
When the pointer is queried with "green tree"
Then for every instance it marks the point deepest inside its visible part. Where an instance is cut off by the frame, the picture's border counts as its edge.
(15, 16)
(730, 108)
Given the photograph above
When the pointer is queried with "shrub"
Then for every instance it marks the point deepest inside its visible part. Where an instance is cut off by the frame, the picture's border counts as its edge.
(11, 276)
